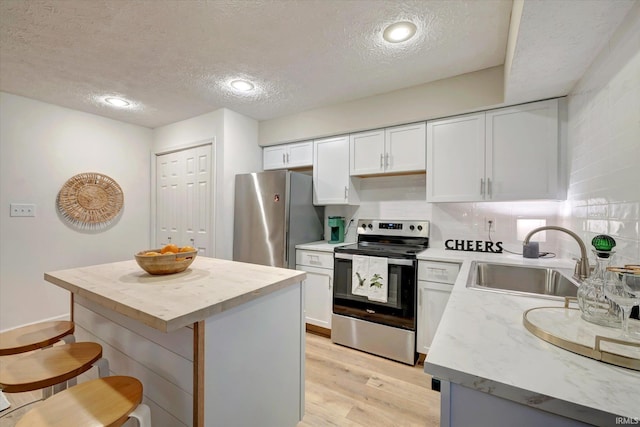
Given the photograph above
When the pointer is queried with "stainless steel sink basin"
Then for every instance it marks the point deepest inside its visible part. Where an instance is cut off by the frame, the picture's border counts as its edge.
(521, 280)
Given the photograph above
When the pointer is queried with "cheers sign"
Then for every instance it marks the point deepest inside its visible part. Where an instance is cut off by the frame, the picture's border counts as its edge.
(473, 246)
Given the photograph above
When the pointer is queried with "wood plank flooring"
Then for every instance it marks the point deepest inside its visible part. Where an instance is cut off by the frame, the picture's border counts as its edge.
(344, 388)
(349, 388)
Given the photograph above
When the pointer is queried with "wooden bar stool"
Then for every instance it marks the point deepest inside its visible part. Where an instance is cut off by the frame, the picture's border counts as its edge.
(36, 336)
(51, 367)
(104, 402)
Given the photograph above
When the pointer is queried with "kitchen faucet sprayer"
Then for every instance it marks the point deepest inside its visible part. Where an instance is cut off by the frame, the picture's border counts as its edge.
(582, 268)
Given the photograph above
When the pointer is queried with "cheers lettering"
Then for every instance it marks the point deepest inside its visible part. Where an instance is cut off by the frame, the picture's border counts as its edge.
(473, 246)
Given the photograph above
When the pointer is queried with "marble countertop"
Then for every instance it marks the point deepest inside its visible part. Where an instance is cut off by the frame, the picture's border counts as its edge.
(322, 246)
(169, 302)
(481, 343)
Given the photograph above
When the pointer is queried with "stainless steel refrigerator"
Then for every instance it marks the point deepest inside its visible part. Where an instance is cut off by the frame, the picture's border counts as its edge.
(274, 212)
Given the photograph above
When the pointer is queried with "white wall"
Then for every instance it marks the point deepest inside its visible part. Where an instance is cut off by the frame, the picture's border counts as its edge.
(456, 95)
(236, 151)
(604, 146)
(41, 147)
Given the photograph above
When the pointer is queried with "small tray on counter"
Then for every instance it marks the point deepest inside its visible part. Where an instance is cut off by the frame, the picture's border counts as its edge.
(563, 327)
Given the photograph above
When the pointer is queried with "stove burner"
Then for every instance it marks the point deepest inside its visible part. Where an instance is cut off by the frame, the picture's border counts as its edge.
(399, 241)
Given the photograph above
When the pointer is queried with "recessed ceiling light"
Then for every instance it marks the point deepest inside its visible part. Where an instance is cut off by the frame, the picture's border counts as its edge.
(116, 102)
(242, 85)
(399, 32)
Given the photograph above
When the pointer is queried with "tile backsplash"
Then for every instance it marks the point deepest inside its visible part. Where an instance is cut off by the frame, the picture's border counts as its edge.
(404, 197)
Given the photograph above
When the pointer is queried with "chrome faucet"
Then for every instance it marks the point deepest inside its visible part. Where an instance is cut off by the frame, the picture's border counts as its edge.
(582, 269)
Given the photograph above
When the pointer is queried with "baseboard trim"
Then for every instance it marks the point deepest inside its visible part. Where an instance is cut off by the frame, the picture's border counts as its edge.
(50, 319)
(319, 330)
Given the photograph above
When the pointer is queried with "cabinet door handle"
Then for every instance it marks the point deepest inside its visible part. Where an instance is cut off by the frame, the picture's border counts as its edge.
(386, 160)
(284, 158)
(420, 297)
(346, 192)
(287, 157)
(329, 281)
(482, 186)
(488, 187)
(381, 157)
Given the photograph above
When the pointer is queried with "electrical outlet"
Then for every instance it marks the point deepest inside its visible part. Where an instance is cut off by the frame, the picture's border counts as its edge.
(490, 224)
(22, 209)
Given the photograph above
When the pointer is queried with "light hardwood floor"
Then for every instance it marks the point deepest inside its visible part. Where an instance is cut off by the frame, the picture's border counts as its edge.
(344, 388)
(349, 388)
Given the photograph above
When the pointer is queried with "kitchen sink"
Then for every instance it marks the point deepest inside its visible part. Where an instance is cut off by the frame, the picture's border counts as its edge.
(522, 280)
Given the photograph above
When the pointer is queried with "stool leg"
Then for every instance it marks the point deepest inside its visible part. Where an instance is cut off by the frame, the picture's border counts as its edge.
(4, 403)
(47, 393)
(62, 386)
(103, 367)
(142, 413)
(69, 339)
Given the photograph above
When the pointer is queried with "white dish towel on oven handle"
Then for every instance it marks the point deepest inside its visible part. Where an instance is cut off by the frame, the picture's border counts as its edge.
(360, 275)
(377, 284)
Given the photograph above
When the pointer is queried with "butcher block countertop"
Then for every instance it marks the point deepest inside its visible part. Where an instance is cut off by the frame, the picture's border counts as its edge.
(169, 302)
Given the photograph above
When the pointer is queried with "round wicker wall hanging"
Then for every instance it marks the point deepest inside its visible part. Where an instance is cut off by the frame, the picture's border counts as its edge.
(90, 200)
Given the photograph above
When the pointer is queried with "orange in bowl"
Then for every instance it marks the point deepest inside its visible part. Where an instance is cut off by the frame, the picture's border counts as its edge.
(169, 248)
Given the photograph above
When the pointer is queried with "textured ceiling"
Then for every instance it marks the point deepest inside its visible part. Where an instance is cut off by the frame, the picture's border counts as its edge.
(556, 43)
(174, 58)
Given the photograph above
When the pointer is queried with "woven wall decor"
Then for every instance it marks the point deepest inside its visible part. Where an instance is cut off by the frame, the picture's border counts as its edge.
(90, 200)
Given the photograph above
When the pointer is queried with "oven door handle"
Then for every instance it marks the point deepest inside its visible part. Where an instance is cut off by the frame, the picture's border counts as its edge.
(390, 261)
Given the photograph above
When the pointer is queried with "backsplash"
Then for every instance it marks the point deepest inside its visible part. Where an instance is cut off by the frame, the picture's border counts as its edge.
(404, 197)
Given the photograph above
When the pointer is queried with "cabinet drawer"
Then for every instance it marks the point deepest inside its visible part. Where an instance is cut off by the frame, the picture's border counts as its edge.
(315, 259)
(438, 271)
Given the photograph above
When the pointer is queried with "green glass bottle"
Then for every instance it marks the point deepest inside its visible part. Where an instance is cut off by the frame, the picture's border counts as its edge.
(595, 306)
(603, 243)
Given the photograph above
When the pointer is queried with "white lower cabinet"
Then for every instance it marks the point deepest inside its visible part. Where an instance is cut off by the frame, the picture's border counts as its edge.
(435, 282)
(318, 286)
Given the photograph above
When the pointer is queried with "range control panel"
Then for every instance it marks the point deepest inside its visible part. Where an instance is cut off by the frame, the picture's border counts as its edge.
(393, 228)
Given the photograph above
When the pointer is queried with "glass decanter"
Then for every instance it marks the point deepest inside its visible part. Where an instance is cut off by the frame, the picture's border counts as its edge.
(594, 305)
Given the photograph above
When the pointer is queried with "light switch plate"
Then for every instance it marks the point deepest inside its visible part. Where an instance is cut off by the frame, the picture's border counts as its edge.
(22, 209)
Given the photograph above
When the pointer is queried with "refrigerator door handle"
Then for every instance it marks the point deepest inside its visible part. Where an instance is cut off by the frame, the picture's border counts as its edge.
(286, 247)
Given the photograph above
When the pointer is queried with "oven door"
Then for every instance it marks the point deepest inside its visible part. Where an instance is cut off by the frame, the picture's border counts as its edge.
(400, 308)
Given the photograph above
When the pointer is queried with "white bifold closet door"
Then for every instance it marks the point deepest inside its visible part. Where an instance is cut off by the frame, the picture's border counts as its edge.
(183, 198)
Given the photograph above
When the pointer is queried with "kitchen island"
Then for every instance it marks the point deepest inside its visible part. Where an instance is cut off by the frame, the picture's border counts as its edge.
(495, 372)
(221, 343)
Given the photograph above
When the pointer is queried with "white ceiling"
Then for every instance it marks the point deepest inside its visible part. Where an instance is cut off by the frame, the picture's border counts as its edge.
(173, 58)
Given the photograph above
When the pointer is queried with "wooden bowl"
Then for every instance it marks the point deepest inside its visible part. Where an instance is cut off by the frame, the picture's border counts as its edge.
(165, 263)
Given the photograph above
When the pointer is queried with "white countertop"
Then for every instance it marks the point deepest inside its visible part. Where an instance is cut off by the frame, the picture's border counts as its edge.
(322, 246)
(169, 302)
(481, 343)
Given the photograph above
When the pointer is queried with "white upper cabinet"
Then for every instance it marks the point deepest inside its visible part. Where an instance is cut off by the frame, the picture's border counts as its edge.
(332, 184)
(522, 152)
(392, 150)
(366, 152)
(288, 156)
(455, 158)
(505, 154)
